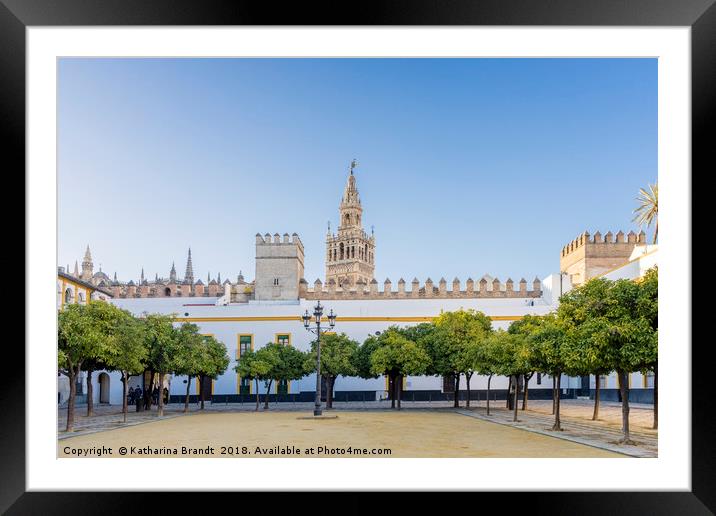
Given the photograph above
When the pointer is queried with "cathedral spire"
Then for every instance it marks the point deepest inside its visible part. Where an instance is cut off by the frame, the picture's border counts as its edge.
(87, 266)
(173, 274)
(189, 274)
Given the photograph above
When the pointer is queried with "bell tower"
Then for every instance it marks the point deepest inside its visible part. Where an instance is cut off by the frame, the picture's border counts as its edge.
(350, 253)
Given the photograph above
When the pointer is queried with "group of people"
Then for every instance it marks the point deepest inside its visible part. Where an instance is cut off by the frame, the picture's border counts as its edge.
(136, 397)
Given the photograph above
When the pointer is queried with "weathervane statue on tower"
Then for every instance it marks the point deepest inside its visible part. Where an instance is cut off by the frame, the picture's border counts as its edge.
(354, 164)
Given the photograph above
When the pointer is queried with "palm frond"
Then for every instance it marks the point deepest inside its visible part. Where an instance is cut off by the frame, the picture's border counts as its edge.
(647, 210)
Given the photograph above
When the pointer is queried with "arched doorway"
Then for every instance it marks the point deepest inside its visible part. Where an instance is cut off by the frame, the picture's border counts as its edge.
(167, 292)
(104, 388)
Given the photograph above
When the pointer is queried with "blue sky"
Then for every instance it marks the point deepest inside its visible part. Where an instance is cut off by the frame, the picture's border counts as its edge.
(466, 166)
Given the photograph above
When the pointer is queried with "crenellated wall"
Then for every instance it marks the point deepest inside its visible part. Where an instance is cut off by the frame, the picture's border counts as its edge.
(588, 255)
(484, 288)
(167, 290)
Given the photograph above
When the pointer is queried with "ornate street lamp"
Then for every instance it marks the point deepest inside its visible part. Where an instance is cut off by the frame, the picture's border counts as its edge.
(317, 314)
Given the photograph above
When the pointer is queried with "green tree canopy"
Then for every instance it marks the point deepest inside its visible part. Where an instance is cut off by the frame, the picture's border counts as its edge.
(362, 358)
(337, 356)
(398, 355)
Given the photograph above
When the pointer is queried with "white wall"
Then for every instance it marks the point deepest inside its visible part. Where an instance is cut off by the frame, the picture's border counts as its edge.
(227, 331)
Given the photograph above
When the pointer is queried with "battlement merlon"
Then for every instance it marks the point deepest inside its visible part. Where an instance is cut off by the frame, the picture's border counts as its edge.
(588, 255)
(278, 240)
(488, 289)
(587, 240)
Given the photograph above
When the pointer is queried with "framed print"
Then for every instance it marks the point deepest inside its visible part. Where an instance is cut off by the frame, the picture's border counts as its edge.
(417, 240)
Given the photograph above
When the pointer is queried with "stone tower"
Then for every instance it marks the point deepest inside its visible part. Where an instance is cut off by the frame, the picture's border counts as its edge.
(189, 274)
(350, 254)
(279, 267)
(87, 266)
(588, 256)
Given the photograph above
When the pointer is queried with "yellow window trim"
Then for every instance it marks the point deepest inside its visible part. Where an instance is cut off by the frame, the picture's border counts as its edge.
(238, 353)
(197, 386)
(275, 339)
(288, 387)
(276, 336)
(387, 383)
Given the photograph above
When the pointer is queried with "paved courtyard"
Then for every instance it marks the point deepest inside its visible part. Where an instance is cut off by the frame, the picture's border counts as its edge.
(415, 431)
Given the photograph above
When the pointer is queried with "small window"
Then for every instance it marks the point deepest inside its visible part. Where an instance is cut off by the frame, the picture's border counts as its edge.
(275, 282)
(283, 338)
(244, 344)
(539, 378)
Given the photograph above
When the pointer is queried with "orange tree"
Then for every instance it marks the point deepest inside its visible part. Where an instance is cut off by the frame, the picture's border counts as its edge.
(396, 356)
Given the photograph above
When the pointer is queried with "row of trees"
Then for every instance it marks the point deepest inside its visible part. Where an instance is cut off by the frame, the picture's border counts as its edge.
(100, 336)
(600, 327)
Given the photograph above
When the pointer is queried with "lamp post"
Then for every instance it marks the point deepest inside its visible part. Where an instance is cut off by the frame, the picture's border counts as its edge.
(317, 314)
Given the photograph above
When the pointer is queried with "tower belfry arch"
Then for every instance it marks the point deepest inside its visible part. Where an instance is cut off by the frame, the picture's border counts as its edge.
(350, 252)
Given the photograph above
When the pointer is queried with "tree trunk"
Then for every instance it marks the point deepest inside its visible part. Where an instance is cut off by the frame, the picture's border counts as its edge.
(161, 394)
(266, 397)
(125, 381)
(90, 404)
(597, 384)
(509, 388)
(456, 403)
(516, 397)
(399, 389)
(391, 389)
(525, 393)
(554, 394)
(201, 391)
(257, 395)
(624, 389)
(467, 381)
(489, 379)
(329, 394)
(186, 400)
(557, 427)
(656, 397)
(148, 392)
(71, 400)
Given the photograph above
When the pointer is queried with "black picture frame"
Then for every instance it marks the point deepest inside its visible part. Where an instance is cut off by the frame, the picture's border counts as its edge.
(700, 15)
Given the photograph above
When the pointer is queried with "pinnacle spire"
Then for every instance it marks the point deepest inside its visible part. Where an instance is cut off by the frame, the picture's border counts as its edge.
(87, 266)
(189, 274)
